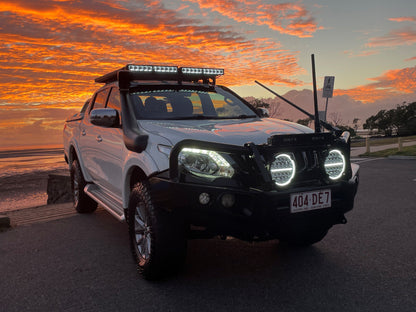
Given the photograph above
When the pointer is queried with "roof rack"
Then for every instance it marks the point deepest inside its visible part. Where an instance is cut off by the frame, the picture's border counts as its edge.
(132, 72)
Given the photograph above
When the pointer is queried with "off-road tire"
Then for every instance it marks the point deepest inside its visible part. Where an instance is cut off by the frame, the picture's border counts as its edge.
(82, 202)
(157, 237)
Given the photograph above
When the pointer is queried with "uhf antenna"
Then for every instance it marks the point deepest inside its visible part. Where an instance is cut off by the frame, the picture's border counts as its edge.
(314, 117)
(315, 97)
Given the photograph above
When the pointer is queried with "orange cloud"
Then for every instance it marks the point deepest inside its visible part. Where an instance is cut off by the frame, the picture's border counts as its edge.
(391, 83)
(50, 52)
(403, 36)
(45, 46)
(286, 18)
(404, 19)
(360, 54)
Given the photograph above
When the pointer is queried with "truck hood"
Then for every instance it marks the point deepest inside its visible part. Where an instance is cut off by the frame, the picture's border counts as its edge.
(230, 131)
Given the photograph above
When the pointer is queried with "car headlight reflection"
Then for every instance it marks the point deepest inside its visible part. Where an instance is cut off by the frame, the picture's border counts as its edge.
(282, 169)
(205, 162)
(335, 164)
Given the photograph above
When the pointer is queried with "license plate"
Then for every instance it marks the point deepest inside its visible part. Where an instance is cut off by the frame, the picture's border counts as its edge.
(306, 201)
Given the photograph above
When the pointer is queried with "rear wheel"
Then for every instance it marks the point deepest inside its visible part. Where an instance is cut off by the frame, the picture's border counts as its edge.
(82, 202)
(157, 237)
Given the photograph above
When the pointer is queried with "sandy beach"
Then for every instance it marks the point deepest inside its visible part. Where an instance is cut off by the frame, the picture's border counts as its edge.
(24, 190)
(24, 177)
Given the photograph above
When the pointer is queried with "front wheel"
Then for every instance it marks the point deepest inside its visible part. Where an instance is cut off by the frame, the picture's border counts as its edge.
(157, 237)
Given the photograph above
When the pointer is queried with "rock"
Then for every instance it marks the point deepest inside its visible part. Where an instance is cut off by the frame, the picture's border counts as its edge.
(4, 222)
(59, 188)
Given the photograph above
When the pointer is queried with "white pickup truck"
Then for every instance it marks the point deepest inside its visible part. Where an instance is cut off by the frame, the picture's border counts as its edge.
(178, 157)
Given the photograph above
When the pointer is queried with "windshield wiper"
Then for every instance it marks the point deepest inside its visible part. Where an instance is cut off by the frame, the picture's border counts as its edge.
(200, 116)
(244, 116)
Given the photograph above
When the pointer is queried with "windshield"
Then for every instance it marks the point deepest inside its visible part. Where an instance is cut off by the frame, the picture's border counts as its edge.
(189, 103)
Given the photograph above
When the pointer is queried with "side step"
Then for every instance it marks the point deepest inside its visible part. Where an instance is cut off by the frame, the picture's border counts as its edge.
(109, 203)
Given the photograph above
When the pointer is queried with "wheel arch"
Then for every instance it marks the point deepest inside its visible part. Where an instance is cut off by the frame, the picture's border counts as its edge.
(74, 155)
(134, 174)
(136, 167)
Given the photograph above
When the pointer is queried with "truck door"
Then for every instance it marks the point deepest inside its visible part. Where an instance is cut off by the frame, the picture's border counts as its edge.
(90, 137)
(111, 149)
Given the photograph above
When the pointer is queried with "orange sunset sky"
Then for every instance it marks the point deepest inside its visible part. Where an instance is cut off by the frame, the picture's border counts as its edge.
(51, 51)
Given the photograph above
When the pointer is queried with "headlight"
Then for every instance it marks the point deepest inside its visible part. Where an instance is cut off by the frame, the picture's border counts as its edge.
(335, 164)
(205, 162)
(283, 169)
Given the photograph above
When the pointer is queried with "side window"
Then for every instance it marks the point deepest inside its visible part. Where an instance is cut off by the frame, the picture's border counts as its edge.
(114, 100)
(100, 99)
(86, 104)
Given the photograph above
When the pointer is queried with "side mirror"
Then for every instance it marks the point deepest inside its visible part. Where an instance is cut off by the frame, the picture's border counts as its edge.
(262, 112)
(105, 117)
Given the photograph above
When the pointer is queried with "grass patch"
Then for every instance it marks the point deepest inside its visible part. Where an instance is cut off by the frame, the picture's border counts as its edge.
(406, 151)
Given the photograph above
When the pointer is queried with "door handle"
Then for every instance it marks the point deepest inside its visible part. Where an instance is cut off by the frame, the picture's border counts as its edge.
(83, 132)
(99, 138)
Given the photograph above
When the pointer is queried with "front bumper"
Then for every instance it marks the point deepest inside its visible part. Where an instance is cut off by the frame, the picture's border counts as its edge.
(260, 210)
(255, 214)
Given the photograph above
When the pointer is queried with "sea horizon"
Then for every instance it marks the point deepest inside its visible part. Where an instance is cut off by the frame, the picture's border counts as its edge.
(13, 148)
(28, 159)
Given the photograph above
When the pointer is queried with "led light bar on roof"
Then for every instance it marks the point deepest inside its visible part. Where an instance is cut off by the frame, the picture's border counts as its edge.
(191, 70)
(205, 71)
(213, 71)
(151, 68)
(132, 72)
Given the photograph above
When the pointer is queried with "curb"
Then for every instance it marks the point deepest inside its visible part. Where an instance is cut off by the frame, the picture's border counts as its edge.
(40, 214)
(398, 157)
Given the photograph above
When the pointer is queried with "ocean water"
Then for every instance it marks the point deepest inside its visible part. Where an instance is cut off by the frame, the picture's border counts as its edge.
(17, 162)
(24, 176)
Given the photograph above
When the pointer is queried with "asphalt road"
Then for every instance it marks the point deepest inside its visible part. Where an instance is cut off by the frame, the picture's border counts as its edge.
(83, 263)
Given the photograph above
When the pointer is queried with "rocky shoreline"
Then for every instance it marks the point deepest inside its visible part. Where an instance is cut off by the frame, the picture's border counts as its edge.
(31, 189)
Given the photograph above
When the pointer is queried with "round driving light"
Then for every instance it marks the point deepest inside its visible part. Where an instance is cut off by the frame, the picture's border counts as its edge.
(204, 198)
(227, 200)
(334, 164)
(282, 169)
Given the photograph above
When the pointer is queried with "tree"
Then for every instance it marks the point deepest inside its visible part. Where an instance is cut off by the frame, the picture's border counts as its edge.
(272, 105)
(335, 118)
(258, 103)
(401, 119)
(306, 122)
(355, 123)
